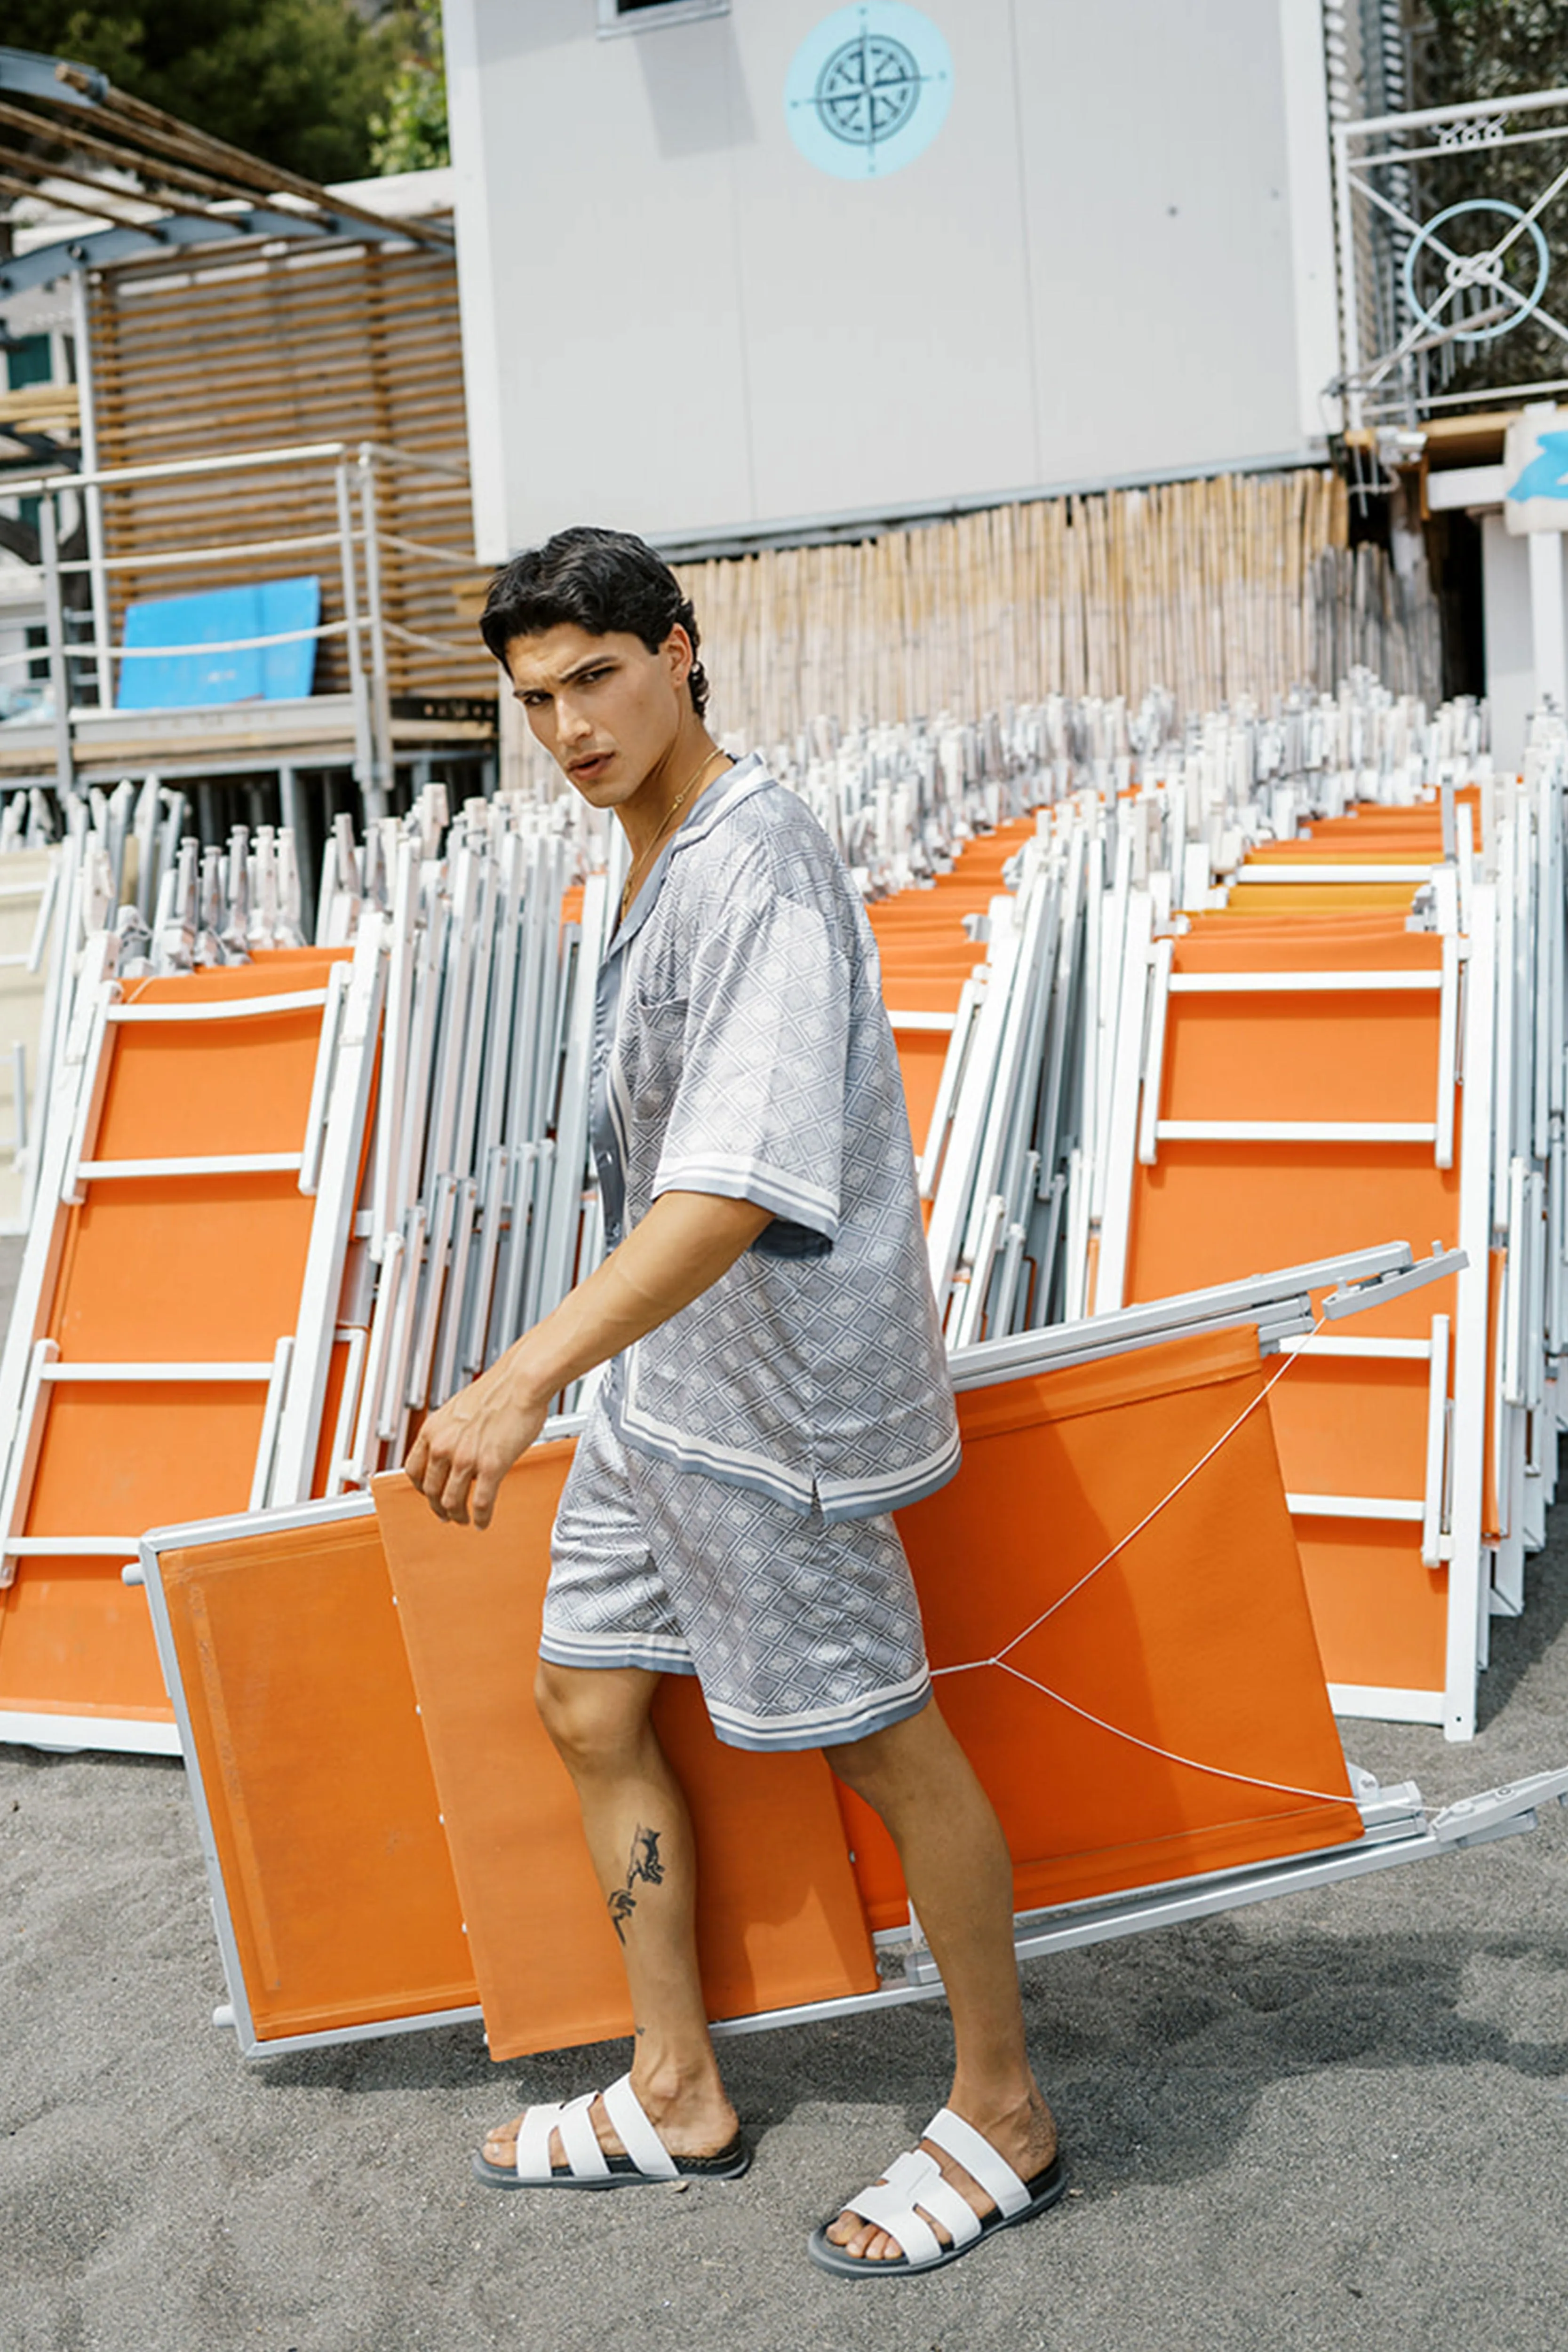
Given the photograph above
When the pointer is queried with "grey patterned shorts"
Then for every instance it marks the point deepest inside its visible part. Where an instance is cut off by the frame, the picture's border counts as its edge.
(803, 1636)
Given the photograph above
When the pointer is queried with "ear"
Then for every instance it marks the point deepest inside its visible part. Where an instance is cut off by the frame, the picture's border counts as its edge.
(678, 652)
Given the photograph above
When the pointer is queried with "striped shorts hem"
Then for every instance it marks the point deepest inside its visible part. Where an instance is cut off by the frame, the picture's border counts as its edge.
(803, 1633)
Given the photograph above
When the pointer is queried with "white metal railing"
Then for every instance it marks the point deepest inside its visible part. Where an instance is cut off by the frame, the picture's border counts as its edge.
(1432, 272)
(349, 477)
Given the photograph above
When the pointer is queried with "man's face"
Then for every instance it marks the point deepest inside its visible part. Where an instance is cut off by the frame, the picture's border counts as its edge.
(605, 709)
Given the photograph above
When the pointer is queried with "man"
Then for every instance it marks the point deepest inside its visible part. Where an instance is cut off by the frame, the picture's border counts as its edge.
(777, 1387)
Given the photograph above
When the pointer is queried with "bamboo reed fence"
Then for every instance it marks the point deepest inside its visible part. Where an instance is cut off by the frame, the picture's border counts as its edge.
(1208, 588)
(1238, 584)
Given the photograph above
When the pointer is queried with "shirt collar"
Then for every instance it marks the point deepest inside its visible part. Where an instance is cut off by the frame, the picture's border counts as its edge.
(711, 810)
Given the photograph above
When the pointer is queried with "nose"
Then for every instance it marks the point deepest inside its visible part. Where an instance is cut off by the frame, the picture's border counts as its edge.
(572, 722)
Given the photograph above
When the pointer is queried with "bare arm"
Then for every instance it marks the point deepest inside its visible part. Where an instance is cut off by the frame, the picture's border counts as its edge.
(679, 1250)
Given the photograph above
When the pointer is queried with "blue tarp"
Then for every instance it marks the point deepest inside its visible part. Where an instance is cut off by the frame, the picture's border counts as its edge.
(270, 674)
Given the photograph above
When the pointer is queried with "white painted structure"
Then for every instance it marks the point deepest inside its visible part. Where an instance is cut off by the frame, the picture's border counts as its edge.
(1522, 582)
(1113, 261)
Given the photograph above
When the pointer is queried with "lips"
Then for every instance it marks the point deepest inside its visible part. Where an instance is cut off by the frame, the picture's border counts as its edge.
(588, 768)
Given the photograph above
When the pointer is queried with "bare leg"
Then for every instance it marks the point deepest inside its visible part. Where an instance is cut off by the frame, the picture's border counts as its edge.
(960, 1880)
(639, 1835)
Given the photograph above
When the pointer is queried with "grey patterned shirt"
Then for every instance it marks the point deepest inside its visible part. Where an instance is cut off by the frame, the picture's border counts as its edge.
(743, 1050)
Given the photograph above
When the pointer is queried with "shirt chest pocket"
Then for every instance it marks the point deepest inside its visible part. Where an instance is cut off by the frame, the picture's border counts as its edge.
(651, 1052)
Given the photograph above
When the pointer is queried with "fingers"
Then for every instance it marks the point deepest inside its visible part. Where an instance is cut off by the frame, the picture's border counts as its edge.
(436, 1465)
(482, 1495)
(450, 1500)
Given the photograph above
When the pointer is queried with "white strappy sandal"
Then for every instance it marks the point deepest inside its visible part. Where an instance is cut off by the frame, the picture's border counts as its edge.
(587, 2166)
(915, 2180)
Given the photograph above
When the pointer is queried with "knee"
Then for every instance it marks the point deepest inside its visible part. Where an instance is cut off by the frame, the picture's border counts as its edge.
(885, 1764)
(864, 1765)
(586, 1717)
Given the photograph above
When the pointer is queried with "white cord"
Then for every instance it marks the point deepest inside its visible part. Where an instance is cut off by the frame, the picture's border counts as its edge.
(1001, 1657)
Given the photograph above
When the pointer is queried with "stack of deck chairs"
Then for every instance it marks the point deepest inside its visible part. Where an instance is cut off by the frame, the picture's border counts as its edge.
(1171, 1003)
(1229, 1021)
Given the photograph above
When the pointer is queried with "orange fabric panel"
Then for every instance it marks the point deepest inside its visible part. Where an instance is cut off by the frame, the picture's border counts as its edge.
(1313, 942)
(173, 1086)
(921, 1053)
(1304, 898)
(114, 1457)
(923, 991)
(1349, 1055)
(316, 1778)
(1359, 844)
(1354, 1425)
(781, 1919)
(115, 1460)
(337, 1374)
(950, 960)
(1381, 1616)
(1166, 1643)
(74, 1640)
(165, 1270)
(188, 1272)
(1209, 1213)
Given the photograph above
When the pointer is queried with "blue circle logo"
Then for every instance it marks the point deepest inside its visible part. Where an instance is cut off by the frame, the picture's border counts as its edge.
(868, 89)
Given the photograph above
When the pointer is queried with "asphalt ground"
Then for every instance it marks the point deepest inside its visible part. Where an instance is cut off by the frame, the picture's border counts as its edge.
(1337, 2120)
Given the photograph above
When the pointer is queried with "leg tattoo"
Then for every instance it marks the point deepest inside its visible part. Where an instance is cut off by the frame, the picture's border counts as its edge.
(644, 1864)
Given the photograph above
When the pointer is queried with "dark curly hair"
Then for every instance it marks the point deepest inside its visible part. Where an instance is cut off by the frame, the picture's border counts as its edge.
(605, 582)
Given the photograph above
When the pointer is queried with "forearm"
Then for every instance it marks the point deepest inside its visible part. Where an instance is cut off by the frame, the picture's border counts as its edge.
(686, 1242)
(679, 1250)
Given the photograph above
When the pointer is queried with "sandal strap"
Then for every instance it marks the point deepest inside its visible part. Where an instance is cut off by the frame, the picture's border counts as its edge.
(914, 2181)
(581, 2141)
(980, 2160)
(586, 2159)
(636, 2134)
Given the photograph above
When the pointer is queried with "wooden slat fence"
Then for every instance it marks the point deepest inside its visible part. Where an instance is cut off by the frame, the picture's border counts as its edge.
(351, 343)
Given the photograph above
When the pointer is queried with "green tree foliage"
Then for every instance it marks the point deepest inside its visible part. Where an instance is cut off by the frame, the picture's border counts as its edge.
(410, 134)
(295, 81)
(1487, 49)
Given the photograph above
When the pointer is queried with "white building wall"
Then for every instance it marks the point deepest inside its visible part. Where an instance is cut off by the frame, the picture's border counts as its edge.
(1110, 263)
(1509, 637)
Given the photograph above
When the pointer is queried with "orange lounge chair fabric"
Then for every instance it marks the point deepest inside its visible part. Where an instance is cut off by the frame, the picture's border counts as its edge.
(1214, 1210)
(162, 1269)
(315, 1777)
(360, 1815)
(1167, 1644)
(1195, 1639)
(780, 1921)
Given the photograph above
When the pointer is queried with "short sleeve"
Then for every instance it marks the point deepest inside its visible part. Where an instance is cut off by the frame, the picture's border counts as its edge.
(758, 1111)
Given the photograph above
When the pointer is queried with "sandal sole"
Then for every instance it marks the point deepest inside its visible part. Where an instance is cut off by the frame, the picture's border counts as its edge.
(623, 2173)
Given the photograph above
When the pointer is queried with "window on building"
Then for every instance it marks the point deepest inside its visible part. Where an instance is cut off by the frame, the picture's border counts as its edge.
(642, 15)
(28, 361)
(37, 636)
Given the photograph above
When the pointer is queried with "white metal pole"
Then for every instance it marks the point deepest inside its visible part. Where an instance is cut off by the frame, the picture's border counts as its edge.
(54, 624)
(1350, 332)
(377, 795)
(93, 497)
(364, 754)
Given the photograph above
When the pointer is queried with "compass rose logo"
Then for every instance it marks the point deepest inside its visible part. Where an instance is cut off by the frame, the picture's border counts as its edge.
(868, 89)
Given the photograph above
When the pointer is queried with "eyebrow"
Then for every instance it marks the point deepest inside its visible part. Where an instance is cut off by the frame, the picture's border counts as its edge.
(565, 678)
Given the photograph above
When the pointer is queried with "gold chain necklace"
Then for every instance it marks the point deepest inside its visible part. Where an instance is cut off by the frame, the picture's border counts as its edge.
(669, 819)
